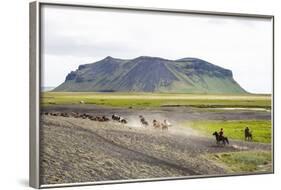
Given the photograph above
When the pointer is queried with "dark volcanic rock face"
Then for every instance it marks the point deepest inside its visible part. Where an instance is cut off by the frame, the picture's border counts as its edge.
(71, 76)
(147, 75)
(151, 74)
(198, 66)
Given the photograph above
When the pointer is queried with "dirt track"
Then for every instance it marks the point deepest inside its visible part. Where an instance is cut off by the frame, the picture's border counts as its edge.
(172, 113)
(79, 149)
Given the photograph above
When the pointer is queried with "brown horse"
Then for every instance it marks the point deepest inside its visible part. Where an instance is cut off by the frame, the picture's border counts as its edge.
(220, 139)
(156, 124)
(143, 121)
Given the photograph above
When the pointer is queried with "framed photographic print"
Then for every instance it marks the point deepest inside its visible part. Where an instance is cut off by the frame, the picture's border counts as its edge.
(132, 94)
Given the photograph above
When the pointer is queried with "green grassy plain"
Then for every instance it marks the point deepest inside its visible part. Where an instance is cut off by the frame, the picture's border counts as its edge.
(234, 129)
(156, 99)
(246, 161)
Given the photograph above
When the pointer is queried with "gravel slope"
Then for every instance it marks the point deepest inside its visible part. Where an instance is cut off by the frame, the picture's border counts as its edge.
(81, 150)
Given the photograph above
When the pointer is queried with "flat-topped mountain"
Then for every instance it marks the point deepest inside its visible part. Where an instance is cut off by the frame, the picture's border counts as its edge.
(151, 74)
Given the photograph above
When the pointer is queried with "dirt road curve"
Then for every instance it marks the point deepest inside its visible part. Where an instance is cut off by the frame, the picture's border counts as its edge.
(79, 149)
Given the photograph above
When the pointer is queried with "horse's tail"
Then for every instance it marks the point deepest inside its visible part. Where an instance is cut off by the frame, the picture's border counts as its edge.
(226, 139)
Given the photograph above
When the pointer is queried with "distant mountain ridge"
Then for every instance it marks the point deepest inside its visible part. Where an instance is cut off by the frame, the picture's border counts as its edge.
(151, 74)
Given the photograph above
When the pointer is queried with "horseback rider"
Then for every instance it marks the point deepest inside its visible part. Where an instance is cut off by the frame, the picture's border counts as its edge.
(248, 134)
(221, 133)
(220, 138)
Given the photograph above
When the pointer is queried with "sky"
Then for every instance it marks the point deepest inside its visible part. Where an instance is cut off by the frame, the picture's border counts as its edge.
(73, 36)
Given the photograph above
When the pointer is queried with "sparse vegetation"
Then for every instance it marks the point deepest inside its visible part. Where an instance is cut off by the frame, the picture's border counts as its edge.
(261, 129)
(156, 99)
(248, 161)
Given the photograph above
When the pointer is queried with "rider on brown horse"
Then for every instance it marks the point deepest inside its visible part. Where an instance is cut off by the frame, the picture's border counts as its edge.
(220, 138)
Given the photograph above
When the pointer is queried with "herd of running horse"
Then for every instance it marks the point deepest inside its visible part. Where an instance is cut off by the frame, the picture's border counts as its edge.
(220, 138)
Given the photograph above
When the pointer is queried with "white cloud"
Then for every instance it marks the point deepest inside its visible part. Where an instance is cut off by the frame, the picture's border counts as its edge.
(74, 36)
